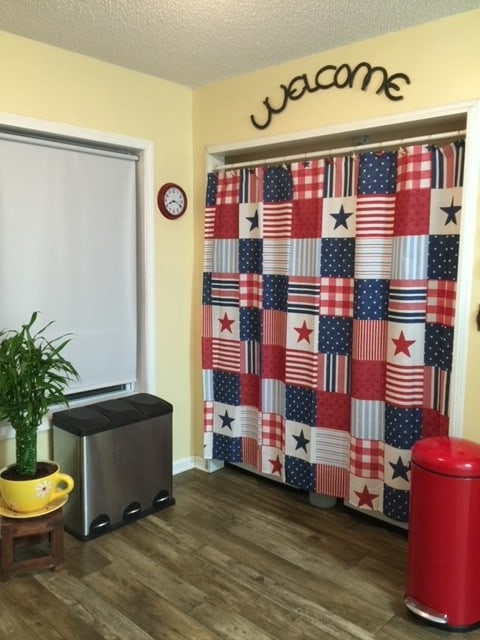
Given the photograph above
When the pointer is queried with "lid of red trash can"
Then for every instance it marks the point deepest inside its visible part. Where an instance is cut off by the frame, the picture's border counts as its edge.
(448, 456)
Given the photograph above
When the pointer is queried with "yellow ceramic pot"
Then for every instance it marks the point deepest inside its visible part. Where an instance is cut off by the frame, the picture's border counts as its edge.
(27, 496)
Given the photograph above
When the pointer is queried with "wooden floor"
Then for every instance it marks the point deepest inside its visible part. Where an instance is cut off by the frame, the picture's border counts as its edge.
(237, 558)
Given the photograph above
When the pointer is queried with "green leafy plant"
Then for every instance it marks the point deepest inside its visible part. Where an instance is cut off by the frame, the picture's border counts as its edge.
(33, 376)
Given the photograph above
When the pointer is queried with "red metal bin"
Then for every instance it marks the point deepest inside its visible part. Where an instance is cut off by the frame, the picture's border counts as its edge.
(443, 573)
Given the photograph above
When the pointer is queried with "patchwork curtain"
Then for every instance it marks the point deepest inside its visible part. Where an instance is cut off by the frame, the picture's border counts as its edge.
(328, 307)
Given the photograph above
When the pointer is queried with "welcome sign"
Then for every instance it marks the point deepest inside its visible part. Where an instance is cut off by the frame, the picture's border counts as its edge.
(331, 76)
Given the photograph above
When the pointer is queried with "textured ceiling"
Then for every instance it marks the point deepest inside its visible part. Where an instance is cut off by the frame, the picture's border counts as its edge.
(204, 41)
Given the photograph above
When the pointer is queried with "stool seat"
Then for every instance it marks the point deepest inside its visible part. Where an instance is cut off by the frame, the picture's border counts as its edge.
(25, 532)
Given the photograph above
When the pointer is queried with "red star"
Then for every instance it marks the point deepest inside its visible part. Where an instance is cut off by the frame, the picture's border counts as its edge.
(226, 323)
(365, 497)
(303, 332)
(276, 465)
(402, 345)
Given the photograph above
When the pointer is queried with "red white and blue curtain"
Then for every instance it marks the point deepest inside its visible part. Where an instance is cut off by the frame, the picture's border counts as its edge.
(328, 308)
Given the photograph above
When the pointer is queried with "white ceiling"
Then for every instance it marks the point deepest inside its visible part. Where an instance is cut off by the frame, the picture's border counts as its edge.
(199, 42)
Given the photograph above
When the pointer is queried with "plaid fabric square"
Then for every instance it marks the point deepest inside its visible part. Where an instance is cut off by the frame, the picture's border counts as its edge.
(336, 297)
(441, 302)
(208, 416)
(307, 179)
(301, 368)
(333, 410)
(273, 430)
(306, 218)
(414, 167)
(366, 458)
(250, 285)
(228, 187)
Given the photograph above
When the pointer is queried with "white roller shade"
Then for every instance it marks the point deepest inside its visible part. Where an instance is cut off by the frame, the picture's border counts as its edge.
(68, 250)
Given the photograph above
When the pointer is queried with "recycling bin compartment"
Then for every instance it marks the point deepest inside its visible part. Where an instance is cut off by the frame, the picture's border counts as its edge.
(443, 570)
(119, 453)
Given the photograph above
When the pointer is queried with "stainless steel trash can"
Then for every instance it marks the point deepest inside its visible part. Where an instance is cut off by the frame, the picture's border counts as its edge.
(119, 453)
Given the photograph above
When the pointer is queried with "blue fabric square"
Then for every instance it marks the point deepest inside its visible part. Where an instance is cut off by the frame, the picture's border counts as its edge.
(277, 184)
(207, 288)
(443, 257)
(337, 257)
(225, 448)
(250, 255)
(250, 324)
(211, 192)
(275, 292)
(371, 299)
(300, 405)
(335, 335)
(377, 173)
(226, 387)
(438, 346)
(300, 473)
(403, 427)
(396, 503)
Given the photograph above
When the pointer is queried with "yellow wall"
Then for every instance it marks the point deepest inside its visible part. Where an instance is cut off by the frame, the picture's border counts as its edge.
(441, 58)
(47, 83)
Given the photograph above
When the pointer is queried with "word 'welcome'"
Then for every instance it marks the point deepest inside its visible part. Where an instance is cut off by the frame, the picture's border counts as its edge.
(339, 77)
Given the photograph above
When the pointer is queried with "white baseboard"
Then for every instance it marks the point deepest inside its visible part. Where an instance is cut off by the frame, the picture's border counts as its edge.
(196, 462)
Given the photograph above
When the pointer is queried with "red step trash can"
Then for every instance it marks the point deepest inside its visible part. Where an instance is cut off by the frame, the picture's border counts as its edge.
(443, 571)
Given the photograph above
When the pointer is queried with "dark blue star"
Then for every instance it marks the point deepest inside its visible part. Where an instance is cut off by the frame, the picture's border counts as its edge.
(253, 221)
(341, 218)
(400, 470)
(226, 420)
(301, 442)
(451, 212)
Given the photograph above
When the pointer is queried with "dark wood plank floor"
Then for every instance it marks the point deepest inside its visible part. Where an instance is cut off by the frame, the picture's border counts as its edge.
(237, 558)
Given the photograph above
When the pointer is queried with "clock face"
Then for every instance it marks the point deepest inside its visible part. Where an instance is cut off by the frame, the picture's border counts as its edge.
(172, 200)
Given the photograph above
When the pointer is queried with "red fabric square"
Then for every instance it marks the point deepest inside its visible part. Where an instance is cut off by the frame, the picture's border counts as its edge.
(273, 362)
(226, 221)
(368, 380)
(412, 215)
(333, 410)
(250, 390)
(434, 423)
(307, 218)
(207, 362)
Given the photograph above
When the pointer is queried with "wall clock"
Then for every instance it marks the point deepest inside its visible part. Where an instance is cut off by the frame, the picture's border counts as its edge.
(172, 200)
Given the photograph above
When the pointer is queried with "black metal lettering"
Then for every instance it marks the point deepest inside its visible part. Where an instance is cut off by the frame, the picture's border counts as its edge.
(339, 70)
(390, 85)
(328, 67)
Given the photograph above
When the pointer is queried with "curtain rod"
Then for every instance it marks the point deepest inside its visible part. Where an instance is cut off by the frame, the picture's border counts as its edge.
(341, 151)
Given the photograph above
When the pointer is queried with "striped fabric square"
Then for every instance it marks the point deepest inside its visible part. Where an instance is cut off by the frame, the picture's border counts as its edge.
(225, 256)
(273, 396)
(273, 430)
(208, 255)
(368, 419)
(249, 357)
(336, 297)
(414, 168)
(307, 179)
(303, 295)
(249, 418)
(277, 220)
(436, 389)
(333, 373)
(369, 340)
(373, 258)
(209, 223)
(224, 290)
(250, 452)
(366, 458)
(331, 480)
(448, 165)
(441, 296)
(250, 290)
(331, 447)
(301, 368)
(404, 385)
(226, 355)
(410, 258)
(274, 327)
(375, 215)
(275, 257)
(250, 185)
(341, 176)
(304, 257)
(407, 301)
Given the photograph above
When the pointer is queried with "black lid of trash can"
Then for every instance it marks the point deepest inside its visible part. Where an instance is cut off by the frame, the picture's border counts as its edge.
(150, 405)
(81, 421)
(119, 411)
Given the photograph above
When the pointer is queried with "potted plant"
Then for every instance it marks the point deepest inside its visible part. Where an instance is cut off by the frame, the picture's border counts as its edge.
(33, 376)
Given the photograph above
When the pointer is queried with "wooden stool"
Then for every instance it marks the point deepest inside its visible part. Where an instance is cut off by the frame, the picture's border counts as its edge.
(25, 532)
